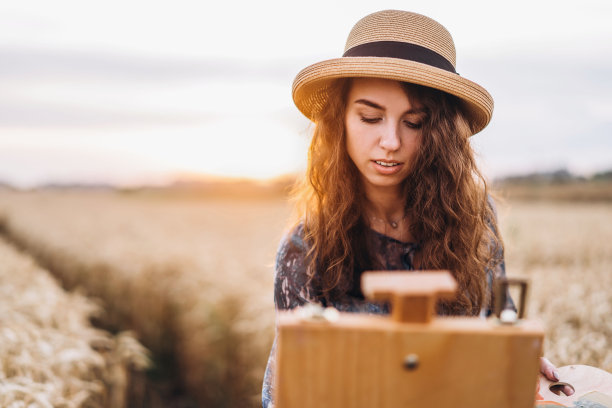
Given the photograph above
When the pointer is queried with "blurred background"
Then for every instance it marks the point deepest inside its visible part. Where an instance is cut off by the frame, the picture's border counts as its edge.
(132, 92)
(146, 154)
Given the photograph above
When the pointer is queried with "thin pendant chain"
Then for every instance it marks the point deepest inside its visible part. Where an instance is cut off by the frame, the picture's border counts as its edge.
(392, 223)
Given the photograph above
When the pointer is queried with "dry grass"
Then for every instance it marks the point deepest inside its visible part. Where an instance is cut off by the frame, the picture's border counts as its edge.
(569, 191)
(566, 251)
(47, 355)
(193, 276)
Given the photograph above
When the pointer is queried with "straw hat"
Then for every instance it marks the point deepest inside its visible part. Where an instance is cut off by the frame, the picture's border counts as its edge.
(397, 45)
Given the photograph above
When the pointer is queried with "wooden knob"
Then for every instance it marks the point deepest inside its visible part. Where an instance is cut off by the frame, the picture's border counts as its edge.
(413, 295)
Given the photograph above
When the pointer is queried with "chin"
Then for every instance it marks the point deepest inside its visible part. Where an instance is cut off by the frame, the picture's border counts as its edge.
(386, 182)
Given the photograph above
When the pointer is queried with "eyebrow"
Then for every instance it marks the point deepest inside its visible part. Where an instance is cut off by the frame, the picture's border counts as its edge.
(377, 106)
(369, 103)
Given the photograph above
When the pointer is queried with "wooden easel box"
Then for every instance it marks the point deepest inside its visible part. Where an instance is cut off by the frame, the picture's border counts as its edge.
(358, 361)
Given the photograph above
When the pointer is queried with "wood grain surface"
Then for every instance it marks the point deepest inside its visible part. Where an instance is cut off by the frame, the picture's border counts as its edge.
(359, 361)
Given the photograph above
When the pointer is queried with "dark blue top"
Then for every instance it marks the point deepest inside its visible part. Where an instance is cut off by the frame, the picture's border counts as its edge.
(291, 290)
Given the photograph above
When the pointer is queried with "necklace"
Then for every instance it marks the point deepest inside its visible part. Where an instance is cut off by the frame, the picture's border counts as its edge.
(392, 223)
(395, 229)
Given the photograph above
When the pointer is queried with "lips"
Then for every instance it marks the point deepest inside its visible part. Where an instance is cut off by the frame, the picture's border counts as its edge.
(387, 163)
(387, 167)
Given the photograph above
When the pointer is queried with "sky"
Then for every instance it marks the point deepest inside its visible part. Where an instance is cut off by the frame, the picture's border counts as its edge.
(131, 92)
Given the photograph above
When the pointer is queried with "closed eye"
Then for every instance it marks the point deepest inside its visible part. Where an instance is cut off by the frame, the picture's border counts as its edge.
(370, 120)
(413, 125)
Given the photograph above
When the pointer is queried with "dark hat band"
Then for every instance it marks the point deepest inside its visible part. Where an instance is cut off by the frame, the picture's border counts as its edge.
(402, 50)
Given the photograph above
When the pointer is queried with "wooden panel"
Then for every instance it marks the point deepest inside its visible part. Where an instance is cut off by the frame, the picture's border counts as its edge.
(380, 285)
(358, 361)
(416, 309)
(413, 295)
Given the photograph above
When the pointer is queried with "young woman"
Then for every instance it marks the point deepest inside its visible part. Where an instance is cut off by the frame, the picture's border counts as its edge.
(391, 180)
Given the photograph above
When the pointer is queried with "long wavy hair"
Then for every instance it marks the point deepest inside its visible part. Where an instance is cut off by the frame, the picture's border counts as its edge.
(446, 201)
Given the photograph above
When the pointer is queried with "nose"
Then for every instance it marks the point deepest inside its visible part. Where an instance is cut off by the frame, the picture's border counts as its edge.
(390, 138)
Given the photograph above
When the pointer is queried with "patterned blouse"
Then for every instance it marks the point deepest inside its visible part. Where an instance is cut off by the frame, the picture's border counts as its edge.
(291, 290)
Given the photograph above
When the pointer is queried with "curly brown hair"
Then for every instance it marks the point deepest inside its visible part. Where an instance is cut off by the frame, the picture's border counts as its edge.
(446, 200)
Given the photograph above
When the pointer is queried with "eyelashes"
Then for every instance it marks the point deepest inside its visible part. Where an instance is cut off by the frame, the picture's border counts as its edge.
(370, 120)
(413, 125)
(373, 120)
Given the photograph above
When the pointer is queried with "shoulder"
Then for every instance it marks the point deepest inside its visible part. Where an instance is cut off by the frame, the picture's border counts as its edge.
(292, 247)
(491, 203)
(294, 237)
(491, 216)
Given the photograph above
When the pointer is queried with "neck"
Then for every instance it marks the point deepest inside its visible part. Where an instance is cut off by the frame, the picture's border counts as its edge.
(385, 203)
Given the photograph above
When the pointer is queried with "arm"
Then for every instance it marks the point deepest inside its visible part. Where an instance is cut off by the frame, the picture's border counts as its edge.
(497, 266)
(290, 291)
(291, 277)
(494, 273)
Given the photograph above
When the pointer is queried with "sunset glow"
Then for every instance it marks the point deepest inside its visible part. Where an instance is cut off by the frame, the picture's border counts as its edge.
(184, 87)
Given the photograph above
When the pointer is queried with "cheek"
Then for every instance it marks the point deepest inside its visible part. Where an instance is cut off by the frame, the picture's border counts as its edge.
(416, 145)
(413, 143)
(413, 152)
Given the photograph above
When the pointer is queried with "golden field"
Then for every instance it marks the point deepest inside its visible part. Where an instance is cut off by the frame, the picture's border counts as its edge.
(50, 355)
(192, 275)
(565, 249)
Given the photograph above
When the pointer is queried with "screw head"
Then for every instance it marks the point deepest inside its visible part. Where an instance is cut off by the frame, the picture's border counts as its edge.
(411, 362)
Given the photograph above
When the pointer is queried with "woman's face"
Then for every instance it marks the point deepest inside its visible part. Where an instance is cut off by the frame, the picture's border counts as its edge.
(383, 131)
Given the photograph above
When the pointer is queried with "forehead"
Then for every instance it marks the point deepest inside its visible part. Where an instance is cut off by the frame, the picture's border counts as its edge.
(385, 92)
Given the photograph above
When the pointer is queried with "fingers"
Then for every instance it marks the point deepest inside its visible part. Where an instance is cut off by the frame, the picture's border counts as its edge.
(548, 369)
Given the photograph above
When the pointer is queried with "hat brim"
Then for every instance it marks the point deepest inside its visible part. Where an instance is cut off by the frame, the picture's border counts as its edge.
(311, 84)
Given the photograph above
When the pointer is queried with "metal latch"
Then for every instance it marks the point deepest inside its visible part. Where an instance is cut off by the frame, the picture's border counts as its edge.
(507, 315)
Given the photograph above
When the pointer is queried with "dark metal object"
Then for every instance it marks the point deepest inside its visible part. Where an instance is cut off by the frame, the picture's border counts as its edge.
(411, 362)
(501, 295)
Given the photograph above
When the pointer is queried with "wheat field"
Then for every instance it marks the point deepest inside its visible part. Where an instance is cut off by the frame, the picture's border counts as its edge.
(193, 276)
(565, 249)
(50, 355)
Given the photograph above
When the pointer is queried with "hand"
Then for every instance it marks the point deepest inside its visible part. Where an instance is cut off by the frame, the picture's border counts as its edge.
(548, 370)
